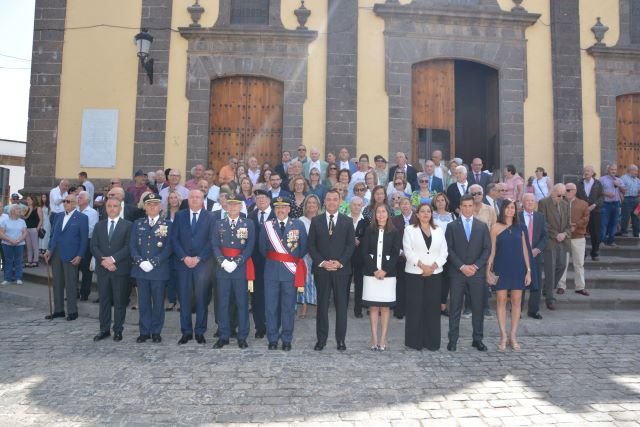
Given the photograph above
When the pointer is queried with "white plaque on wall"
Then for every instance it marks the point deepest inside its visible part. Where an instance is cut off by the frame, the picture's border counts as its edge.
(99, 138)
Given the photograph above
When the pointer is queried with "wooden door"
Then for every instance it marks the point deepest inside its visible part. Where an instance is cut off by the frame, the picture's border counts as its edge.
(246, 120)
(434, 109)
(628, 130)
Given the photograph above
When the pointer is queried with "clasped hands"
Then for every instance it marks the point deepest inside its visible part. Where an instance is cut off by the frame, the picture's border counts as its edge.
(427, 270)
(469, 270)
(331, 265)
(229, 266)
(108, 263)
(191, 261)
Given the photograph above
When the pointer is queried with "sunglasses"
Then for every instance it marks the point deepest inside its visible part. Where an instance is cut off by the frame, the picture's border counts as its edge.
(424, 181)
(333, 169)
(358, 189)
(569, 190)
(476, 194)
(115, 182)
(68, 201)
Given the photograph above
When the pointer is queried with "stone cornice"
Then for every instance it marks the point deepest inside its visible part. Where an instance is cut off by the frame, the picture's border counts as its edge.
(249, 33)
(625, 52)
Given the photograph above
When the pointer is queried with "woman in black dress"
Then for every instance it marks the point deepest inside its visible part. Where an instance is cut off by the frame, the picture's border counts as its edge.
(380, 249)
(425, 248)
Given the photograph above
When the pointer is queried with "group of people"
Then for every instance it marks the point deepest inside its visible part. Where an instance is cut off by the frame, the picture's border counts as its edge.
(263, 240)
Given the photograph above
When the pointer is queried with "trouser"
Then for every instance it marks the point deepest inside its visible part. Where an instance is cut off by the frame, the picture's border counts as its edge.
(476, 292)
(13, 258)
(32, 245)
(358, 279)
(151, 306)
(325, 285)
(399, 308)
(65, 278)
(628, 205)
(87, 274)
(594, 231)
(610, 218)
(258, 297)
(467, 299)
(238, 288)
(534, 294)
(280, 310)
(555, 260)
(194, 283)
(113, 291)
(577, 258)
(172, 284)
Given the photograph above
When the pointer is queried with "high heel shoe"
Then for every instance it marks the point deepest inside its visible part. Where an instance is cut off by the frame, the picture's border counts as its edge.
(514, 345)
(503, 345)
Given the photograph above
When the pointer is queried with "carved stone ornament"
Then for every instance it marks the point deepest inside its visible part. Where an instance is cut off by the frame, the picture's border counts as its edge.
(196, 12)
(599, 31)
(302, 13)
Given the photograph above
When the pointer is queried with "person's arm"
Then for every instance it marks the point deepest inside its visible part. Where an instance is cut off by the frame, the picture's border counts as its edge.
(350, 246)
(525, 253)
(441, 259)
(453, 258)
(407, 246)
(583, 221)
(494, 231)
(125, 251)
(40, 215)
(251, 242)
(174, 236)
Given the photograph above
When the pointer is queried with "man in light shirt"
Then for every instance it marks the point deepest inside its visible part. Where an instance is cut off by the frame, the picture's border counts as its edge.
(254, 170)
(56, 198)
(315, 162)
(174, 184)
(83, 179)
(197, 173)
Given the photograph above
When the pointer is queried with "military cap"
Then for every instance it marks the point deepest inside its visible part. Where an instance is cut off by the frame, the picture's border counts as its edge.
(261, 192)
(281, 201)
(151, 198)
(232, 198)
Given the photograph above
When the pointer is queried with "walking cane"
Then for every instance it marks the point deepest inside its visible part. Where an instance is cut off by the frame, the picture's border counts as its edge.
(49, 289)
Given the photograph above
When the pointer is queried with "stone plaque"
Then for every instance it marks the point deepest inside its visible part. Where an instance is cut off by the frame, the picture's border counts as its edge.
(99, 138)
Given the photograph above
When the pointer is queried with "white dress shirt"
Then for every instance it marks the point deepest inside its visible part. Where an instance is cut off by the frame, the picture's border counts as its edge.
(92, 214)
(55, 200)
(65, 219)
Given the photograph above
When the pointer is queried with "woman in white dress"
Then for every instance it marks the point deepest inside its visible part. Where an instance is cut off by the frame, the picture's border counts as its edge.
(43, 243)
(380, 249)
(310, 209)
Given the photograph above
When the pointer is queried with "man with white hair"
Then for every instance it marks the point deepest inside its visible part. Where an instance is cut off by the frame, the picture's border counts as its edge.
(196, 175)
(253, 172)
(630, 201)
(458, 189)
(409, 171)
(315, 162)
(56, 198)
(441, 170)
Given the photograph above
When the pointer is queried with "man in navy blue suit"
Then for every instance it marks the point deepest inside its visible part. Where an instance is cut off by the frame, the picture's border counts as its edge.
(276, 189)
(67, 246)
(283, 242)
(190, 235)
(435, 183)
(476, 176)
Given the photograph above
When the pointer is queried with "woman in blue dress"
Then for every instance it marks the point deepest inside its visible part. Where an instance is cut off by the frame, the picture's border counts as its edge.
(511, 265)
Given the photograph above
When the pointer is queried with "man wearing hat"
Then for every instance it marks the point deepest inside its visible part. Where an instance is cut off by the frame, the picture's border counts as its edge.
(284, 243)
(233, 240)
(381, 170)
(138, 186)
(261, 214)
(15, 200)
(150, 249)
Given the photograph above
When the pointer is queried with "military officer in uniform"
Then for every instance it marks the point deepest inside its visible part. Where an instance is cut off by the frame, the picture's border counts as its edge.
(150, 251)
(233, 241)
(283, 242)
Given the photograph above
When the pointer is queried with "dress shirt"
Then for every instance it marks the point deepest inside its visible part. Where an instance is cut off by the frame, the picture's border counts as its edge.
(358, 176)
(588, 185)
(92, 214)
(608, 187)
(253, 175)
(164, 194)
(344, 165)
(355, 224)
(214, 193)
(154, 220)
(55, 200)
(407, 220)
(335, 218)
(316, 165)
(632, 184)
(275, 193)
(437, 171)
(528, 217)
(462, 188)
(194, 212)
(65, 219)
(91, 189)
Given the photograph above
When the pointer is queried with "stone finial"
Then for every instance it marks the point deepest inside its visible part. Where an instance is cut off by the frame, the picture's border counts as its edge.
(599, 29)
(518, 8)
(196, 12)
(302, 13)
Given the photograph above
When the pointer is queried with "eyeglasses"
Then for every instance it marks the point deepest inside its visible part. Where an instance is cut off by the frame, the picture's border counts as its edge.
(398, 183)
(476, 194)
(333, 169)
(424, 181)
(358, 189)
(302, 149)
(68, 201)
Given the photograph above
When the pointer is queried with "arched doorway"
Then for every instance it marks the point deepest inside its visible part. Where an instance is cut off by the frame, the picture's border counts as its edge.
(246, 120)
(628, 130)
(455, 109)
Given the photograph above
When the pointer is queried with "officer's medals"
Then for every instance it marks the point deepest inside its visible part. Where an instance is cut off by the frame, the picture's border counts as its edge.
(159, 244)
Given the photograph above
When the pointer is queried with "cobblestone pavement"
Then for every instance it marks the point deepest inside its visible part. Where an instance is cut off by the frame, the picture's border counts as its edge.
(53, 373)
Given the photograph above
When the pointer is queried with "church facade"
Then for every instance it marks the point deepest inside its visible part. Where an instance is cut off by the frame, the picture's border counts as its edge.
(530, 83)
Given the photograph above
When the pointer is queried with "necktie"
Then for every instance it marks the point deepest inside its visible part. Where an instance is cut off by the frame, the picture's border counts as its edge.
(464, 189)
(261, 217)
(282, 227)
(477, 178)
(530, 229)
(331, 225)
(467, 228)
(111, 228)
(194, 220)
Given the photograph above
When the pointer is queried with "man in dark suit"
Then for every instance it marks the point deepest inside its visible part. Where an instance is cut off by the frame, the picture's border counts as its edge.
(493, 196)
(67, 246)
(537, 234)
(110, 247)
(128, 210)
(435, 183)
(401, 221)
(469, 245)
(276, 189)
(476, 176)
(190, 235)
(259, 215)
(331, 243)
(410, 171)
(283, 168)
(458, 189)
(590, 190)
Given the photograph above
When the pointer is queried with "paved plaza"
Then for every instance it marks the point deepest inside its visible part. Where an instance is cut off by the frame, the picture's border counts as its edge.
(52, 373)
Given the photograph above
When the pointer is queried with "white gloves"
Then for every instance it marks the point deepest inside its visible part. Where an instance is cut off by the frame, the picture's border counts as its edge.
(146, 266)
(228, 266)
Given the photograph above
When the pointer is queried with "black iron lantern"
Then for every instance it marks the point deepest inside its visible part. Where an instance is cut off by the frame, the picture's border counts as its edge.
(143, 43)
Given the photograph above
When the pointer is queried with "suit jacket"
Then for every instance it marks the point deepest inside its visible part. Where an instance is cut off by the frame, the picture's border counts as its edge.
(539, 231)
(186, 242)
(222, 236)
(595, 196)
(117, 247)
(454, 196)
(323, 168)
(485, 179)
(151, 244)
(555, 224)
(398, 223)
(391, 245)
(436, 184)
(294, 233)
(73, 240)
(462, 252)
(258, 258)
(412, 175)
(130, 211)
(579, 218)
(339, 246)
(415, 249)
(283, 193)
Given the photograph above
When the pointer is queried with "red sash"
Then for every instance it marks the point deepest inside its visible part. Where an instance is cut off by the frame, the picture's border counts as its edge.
(250, 270)
(301, 268)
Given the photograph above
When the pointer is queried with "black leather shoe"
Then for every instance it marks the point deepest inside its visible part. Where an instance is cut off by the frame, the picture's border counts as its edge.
(286, 346)
(242, 344)
(200, 339)
(479, 345)
(72, 316)
(142, 338)
(319, 346)
(96, 301)
(341, 346)
(220, 343)
(216, 334)
(185, 339)
(117, 336)
(452, 346)
(156, 338)
(260, 334)
(399, 316)
(273, 346)
(55, 315)
(535, 315)
(84, 298)
(102, 335)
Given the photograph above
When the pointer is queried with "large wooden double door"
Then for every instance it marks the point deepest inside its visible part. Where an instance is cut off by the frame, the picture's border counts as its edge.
(246, 120)
(628, 130)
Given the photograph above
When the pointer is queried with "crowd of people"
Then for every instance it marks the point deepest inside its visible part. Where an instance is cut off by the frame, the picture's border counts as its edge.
(418, 242)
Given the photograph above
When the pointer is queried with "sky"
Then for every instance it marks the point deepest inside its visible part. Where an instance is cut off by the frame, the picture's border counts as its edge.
(16, 37)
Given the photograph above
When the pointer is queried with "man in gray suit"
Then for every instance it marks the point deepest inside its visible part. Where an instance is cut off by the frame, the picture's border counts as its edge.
(110, 247)
(469, 245)
(537, 235)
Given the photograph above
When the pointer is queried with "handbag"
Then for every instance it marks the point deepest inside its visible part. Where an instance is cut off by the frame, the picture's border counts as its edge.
(492, 279)
(41, 233)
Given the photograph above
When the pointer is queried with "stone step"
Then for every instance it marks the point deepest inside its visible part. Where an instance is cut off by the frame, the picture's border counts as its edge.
(626, 251)
(610, 263)
(607, 279)
(626, 240)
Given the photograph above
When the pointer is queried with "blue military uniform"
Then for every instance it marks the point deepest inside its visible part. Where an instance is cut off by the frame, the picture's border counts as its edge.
(237, 236)
(151, 243)
(280, 291)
